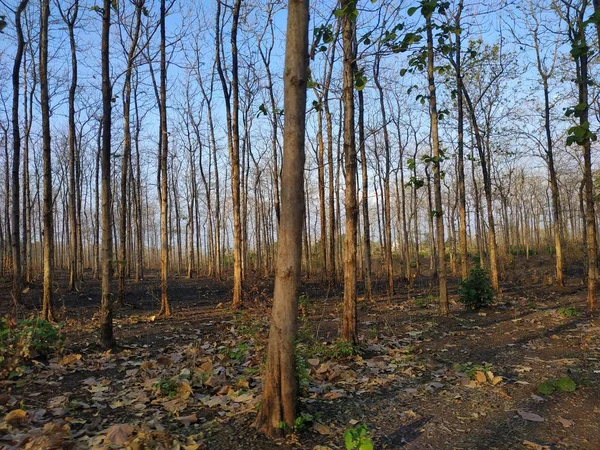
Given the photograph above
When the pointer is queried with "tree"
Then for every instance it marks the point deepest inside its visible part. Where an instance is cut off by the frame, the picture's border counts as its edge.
(436, 160)
(278, 404)
(70, 18)
(233, 138)
(349, 322)
(48, 259)
(106, 307)
(16, 249)
(132, 53)
(581, 135)
(165, 309)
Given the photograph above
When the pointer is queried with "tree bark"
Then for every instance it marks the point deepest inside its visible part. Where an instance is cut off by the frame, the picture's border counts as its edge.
(349, 321)
(15, 217)
(47, 303)
(278, 402)
(165, 308)
(106, 307)
(437, 183)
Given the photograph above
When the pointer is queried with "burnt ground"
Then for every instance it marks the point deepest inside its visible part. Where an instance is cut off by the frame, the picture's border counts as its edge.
(420, 381)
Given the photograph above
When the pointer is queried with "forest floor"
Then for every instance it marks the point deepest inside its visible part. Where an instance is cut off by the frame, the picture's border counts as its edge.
(468, 381)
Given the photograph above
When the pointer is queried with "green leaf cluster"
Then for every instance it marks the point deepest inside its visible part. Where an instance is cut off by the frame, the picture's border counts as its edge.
(24, 340)
(358, 438)
(564, 384)
(476, 291)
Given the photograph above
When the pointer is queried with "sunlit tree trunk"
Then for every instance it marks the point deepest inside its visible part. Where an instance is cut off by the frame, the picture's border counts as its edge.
(462, 202)
(165, 309)
(365, 198)
(278, 403)
(349, 320)
(232, 112)
(437, 183)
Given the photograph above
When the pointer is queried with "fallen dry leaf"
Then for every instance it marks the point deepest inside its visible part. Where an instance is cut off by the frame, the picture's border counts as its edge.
(321, 429)
(534, 446)
(188, 420)
(16, 416)
(67, 360)
(532, 417)
(119, 434)
(566, 422)
(480, 377)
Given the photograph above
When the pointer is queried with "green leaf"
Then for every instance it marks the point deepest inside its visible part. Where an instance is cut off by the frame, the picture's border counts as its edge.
(546, 388)
(565, 384)
(349, 439)
(411, 11)
(367, 444)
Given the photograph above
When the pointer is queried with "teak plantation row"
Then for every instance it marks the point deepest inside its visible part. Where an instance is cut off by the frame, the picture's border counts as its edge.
(363, 140)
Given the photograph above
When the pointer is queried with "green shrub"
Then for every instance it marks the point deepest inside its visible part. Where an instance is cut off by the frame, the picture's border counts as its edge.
(564, 384)
(476, 290)
(24, 340)
(167, 387)
(358, 438)
(568, 311)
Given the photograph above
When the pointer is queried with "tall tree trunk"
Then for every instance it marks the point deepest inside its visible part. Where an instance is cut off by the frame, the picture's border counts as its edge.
(16, 229)
(387, 214)
(47, 304)
(349, 320)
(165, 309)
(365, 197)
(462, 201)
(232, 112)
(106, 307)
(126, 161)
(278, 404)
(70, 17)
(437, 180)
(487, 189)
(590, 215)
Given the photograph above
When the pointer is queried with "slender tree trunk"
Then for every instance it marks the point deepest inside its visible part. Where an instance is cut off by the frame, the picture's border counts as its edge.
(70, 18)
(16, 229)
(349, 320)
(165, 309)
(106, 307)
(47, 304)
(232, 113)
(278, 404)
(437, 183)
(365, 198)
(387, 215)
(126, 162)
(462, 202)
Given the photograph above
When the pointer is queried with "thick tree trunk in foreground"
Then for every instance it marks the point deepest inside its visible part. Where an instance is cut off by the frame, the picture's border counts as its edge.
(106, 306)
(278, 402)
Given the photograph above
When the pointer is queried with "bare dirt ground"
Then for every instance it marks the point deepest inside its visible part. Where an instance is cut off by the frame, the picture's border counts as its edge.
(469, 381)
